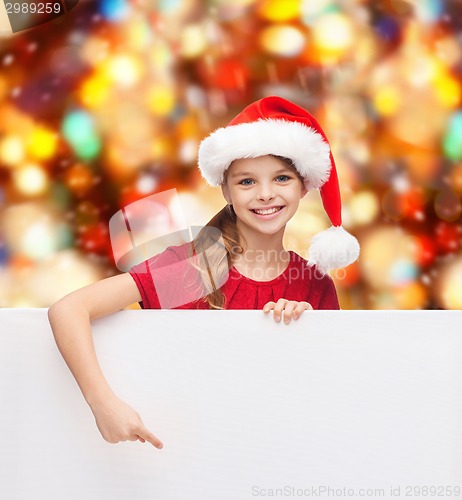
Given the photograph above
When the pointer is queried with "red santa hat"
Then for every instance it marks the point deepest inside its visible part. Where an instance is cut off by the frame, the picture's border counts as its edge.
(276, 126)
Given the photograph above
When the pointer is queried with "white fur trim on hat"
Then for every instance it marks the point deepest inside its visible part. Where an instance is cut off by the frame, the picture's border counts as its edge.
(333, 248)
(303, 145)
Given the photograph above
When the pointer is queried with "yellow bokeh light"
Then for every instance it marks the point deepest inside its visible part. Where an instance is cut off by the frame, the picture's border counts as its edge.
(161, 100)
(124, 70)
(333, 35)
(282, 40)
(363, 207)
(31, 180)
(95, 91)
(193, 40)
(448, 290)
(42, 143)
(447, 91)
(280, 10)
(387, 100)
(452, 296)
(11, 150)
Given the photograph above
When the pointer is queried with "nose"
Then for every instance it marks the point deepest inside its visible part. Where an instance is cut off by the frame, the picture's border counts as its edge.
(265, 192)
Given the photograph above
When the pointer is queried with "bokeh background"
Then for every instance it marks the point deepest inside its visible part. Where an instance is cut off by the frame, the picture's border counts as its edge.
(107, 105)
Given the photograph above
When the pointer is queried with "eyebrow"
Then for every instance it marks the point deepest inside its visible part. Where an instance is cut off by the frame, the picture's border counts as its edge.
(239, 174)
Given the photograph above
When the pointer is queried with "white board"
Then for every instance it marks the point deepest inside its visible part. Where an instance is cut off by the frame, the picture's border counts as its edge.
(334, 404)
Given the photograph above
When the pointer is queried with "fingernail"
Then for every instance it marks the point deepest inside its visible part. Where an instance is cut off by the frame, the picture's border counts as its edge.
(277, 318)
(160, 446)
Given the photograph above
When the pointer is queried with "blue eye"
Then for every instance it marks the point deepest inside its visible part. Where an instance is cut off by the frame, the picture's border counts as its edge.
(249, 182)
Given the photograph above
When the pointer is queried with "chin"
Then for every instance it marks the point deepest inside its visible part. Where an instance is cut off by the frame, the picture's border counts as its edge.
(269, 230)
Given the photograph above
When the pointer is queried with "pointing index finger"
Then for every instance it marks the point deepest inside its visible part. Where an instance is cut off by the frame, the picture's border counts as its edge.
(150, 438)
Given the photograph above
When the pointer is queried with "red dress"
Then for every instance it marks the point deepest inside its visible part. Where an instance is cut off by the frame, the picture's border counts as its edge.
(168, 281)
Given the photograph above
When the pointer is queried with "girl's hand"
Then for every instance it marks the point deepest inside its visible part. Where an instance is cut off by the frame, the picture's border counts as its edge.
(291, 308)
(117, 421)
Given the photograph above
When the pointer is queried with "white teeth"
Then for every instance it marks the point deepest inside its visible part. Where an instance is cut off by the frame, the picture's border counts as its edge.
(268, 211)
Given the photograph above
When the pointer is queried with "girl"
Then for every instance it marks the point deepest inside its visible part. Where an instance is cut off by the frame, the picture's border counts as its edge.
(265, 160)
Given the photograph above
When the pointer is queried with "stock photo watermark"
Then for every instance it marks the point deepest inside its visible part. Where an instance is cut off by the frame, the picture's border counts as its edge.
(328, 491)
(16, 16)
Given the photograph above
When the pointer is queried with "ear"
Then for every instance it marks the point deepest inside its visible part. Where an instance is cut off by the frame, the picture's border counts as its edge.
(225, 191)
(304, 191)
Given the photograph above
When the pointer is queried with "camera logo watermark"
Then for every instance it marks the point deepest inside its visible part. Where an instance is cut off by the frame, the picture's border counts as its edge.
(185, 263)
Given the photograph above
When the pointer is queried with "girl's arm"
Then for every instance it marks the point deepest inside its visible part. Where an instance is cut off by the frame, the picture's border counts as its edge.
(70, 320)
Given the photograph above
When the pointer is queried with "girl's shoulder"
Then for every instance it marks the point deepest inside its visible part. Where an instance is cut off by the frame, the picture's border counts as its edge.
(171, 255)
(168, 279)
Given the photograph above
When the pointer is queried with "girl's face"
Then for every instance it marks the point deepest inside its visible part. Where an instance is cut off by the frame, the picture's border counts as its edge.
(264, 191)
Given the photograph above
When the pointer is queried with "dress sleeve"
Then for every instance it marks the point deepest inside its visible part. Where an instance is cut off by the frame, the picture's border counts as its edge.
(143, 279)
(168, 280)
(329, 299)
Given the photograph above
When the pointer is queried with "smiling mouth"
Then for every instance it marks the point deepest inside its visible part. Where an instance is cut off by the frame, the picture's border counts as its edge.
(266, 211)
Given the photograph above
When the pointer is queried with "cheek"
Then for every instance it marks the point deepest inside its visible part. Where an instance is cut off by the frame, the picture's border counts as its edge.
(241, 205)
(295, 201)
(241, 197)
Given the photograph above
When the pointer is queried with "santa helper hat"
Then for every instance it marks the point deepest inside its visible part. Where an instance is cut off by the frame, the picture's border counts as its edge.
(276, 126)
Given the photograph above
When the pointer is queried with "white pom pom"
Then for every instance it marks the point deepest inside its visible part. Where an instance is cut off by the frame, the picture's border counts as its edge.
(333, 248)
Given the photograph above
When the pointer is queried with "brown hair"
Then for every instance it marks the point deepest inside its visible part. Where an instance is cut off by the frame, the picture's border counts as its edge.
(220, 259)
(216, 259)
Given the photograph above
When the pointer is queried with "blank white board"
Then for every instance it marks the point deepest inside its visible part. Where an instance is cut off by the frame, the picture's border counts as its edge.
(340, 404)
